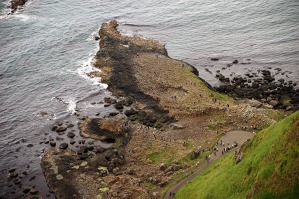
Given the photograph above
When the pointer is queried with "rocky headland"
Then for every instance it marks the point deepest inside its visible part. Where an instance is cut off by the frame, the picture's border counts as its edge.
(167, 120)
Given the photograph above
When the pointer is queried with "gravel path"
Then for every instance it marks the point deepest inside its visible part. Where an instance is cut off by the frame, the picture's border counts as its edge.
(228, 139)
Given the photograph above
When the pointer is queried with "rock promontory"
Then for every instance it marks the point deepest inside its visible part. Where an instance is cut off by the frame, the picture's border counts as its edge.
(165, 111)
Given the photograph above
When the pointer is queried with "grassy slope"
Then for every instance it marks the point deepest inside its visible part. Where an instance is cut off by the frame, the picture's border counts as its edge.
(269, 168)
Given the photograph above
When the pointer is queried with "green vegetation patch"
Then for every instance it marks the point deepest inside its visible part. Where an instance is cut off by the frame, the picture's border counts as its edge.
(268, 169)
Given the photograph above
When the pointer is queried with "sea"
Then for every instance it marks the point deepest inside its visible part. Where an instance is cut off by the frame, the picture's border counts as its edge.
(47, 49)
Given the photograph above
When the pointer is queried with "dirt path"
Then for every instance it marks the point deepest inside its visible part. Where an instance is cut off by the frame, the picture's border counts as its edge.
(228, 139)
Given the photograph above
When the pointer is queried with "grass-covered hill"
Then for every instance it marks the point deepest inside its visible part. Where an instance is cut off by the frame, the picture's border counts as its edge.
(269, 168)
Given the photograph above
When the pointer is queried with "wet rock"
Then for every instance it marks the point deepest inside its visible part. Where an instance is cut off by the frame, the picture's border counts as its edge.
(81, 141)
(70, 126)
(13, 174)
(32, 178)
(113, 114)
(235, 61)
(109, 100)
(53, 144)
(33, 191)
(60, 129)
(72, 142)
(11, 170)
(84, 156)
(130, 112)
(54, 128)
(25, 173)
(26, 189)
(119, 105)
(63, 145)
(99, 149)
(71, 134)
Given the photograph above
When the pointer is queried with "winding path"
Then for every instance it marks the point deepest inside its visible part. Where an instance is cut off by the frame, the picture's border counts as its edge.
(233, 136)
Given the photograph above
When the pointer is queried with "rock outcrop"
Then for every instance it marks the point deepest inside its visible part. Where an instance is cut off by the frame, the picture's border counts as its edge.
(166, 105)
(15, 4)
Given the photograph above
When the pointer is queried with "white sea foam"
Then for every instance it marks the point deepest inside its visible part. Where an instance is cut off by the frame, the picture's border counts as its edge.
(92, 36)
(86, 68)
(72, 105)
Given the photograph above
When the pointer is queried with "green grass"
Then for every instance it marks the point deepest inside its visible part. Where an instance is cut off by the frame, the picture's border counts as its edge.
(269, 168)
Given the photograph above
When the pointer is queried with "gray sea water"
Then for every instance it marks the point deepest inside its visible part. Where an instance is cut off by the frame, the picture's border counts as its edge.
(46, 49)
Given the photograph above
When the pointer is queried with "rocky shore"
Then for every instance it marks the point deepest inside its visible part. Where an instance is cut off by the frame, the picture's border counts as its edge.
(279, 94)
(166, 120)
(15, 4)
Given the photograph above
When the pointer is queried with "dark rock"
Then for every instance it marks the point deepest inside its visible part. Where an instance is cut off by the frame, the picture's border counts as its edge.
(33, 191)
(25, 173)
(163, 167)
(29, 145)
(52, 143)
(71, 134)
(235, 61)
(81, 141)
(84, 156)
(119, 105)
(70, 126)
(26, 189)
(255, 85)
(266, 73)
(72, 142)
(13, 174)
(11, 170)
(127, 102)
(107, 105)
(32, 178)
(63, 145)
(194, 154)
(130, 112)
(113, 114)
(54, 128)
(99, 149)
(60, 129)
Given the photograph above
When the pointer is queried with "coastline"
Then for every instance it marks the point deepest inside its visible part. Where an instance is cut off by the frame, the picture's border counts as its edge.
(167, 111)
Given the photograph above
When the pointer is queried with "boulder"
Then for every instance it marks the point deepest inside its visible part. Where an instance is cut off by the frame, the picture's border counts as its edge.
(163, 167)
(63, 145)
(274, 103)
(60, 129)
(130, 112)
(194, 154)
(71, 134)
(235, 61)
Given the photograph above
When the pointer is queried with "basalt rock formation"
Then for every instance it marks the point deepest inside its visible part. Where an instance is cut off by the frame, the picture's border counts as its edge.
(170, 111)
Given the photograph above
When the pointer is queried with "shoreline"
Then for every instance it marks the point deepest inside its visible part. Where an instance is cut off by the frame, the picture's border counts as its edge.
(163, 110)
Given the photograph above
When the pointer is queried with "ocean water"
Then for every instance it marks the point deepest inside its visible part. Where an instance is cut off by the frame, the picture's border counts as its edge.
(46, 48)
